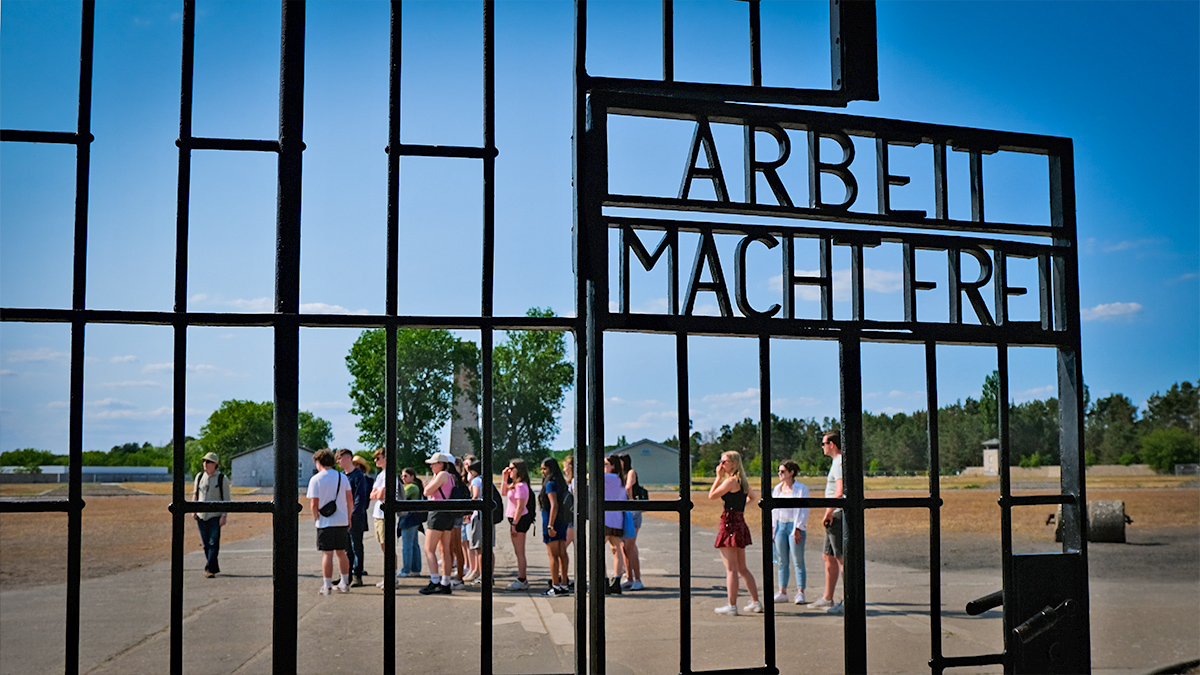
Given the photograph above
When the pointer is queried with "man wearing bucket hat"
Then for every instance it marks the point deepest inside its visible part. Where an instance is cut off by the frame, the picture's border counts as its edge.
(211, 486)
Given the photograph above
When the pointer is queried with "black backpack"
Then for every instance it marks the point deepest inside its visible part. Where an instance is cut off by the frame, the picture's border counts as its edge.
(497, 503)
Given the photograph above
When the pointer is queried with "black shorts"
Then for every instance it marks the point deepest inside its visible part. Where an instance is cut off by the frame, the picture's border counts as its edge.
(443, 521)
(333, 538)
(524, 523)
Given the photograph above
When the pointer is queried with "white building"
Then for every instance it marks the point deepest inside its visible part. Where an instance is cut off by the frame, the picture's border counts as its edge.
(256, 467)
(655, 463)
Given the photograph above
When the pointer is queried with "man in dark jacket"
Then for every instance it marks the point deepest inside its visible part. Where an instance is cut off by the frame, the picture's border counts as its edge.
(360, 487)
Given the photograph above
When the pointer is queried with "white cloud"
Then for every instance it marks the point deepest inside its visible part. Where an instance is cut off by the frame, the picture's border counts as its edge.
(111, 403)
(8, 373)
(1110, 311)
(341, 406)
(132, 414)
(322, 308)
(802, 402)
(1036, 394)
(1184, 277)
(39, 355)
(199, 368)
(129, 384)
(1130, 244)
(124, 359)
(878, 281)
(731, 398)
(255, 305)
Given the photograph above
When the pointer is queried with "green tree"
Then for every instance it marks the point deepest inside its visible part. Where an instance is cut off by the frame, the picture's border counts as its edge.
(1111, 428)
(425, 365)
(31, 458)
(1163, 448)
(989, 406)
(530, 379)
(240, 425)
(1179, 407)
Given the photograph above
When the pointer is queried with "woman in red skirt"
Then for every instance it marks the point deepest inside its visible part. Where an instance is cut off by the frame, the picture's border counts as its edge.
(733, 536)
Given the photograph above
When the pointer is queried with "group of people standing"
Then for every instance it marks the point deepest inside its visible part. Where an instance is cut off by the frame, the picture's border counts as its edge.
(339, 501)
(789, 529)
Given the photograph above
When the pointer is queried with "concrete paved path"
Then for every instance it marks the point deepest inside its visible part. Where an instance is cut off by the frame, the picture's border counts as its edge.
(1137, 625)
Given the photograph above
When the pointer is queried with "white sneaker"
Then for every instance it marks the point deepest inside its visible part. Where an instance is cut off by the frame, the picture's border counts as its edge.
(799, 598)
(727, 610)
(457, 585)
(343, 588)
(781, 597)
(325, 590)
(753, 608)
(626, 585)
(380, 584)
(821, 603)
(837, 609)
(637, 586)
(518, 585)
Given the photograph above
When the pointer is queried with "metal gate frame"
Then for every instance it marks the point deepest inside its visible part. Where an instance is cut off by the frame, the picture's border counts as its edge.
(853, 61)
(854, 78)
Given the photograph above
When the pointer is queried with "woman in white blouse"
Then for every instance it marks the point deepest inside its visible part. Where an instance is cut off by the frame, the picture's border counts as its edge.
(790, 527)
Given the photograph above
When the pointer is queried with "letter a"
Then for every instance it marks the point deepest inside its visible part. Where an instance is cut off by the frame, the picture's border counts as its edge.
(703, 136)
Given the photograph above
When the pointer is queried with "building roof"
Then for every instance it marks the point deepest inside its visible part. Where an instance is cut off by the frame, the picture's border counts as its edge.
(644, 441)
(263, 446)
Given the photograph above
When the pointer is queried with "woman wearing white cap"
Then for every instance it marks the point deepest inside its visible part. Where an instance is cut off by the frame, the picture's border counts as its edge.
(439, 524)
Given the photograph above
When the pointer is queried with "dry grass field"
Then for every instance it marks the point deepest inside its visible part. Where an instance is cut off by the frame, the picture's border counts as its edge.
(132, 527)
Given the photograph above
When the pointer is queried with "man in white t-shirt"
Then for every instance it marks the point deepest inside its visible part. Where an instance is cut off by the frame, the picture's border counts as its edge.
(330, 487)
(831, 445)
(378, 495)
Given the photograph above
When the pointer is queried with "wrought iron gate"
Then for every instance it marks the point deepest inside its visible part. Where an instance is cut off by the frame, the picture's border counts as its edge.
(1033, 641)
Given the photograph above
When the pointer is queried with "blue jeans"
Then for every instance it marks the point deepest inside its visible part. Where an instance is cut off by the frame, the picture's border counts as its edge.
(410, 552)
(210, 535)
(788, 551)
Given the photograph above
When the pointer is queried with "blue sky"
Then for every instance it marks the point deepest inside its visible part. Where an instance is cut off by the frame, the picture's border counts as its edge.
(1122, 79)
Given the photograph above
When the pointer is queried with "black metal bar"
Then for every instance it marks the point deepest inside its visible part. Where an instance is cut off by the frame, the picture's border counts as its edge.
(391, 302)
(682, 407)
(1038, 500)
(56, 137)
(668, 40)
(39, 505)
(965, 661)
(235, 144)
(855, 60)
(487, 301)
(706, 91)
(854, 572)
(179, 331)
(935, 514)
(764, 449)
(755, 44)
(452, 151)
(805, 213)
(287, 334)
(1071, 389)
(184, 507)
(1006, 544)
(902, 503)
(78, 330)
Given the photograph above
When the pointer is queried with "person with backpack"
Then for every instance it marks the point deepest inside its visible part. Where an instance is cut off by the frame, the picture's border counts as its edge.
(475, 524)
(439, 524)
(210, 486)
(635, 491)
(519, 511)
(554, 526)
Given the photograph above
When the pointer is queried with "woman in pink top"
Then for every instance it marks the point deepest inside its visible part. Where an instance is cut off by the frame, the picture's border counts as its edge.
(514, 486)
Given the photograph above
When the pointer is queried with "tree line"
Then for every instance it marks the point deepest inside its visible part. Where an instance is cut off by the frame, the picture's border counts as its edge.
(1115, 432)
